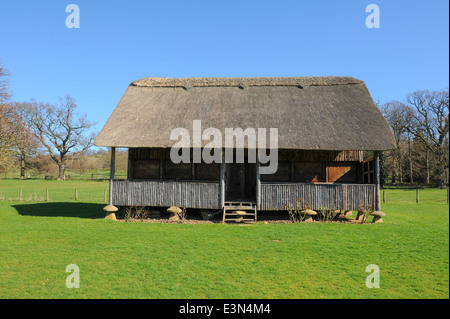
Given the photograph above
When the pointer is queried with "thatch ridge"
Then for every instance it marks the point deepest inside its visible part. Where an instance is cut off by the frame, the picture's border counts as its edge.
(246, 82)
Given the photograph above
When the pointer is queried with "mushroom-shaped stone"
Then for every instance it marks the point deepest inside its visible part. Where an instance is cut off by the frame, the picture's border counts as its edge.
(308, 213)
(377, 216)
(110, 209)
(174, 210)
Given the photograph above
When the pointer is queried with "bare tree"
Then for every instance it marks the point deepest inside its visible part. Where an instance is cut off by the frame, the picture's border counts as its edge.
(431, 124)
(59, 129)
(5, 93)
(10, 124)
(398, 116)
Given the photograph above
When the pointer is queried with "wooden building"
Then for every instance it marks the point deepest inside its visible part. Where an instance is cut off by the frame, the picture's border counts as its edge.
(324, 125)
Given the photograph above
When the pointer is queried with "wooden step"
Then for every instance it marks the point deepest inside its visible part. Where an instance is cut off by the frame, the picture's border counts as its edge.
(241, 220)
(230, 214)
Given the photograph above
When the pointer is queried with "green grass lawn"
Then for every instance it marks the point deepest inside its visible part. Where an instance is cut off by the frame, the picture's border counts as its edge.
(149, 260)
(61, 191)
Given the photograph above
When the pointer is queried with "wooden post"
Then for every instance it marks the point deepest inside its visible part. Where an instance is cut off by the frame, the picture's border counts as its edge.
(222, 180)
(111, 174)
(161, 167)
(292, 175)
(46, 194)
(258, 181)
(76, 194)
(105, 196)
(417, 195)
(376, 179)
(20, 194)
(384, 198)
(129, 165)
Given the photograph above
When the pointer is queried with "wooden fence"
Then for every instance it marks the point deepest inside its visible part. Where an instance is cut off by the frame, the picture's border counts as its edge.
(191, 194)
(196, 194)
(333, 196)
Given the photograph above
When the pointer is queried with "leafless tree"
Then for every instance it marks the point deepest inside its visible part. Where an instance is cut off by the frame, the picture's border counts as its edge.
(10, 124)
(59, 129)
(5, 93)
(398, 116)
(431, 125)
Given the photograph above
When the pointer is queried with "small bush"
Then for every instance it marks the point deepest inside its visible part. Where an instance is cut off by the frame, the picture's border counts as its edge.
(136, 213)
(326, 214)
(295, 210)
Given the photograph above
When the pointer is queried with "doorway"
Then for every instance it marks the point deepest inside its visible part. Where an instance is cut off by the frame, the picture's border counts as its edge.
(240, 179)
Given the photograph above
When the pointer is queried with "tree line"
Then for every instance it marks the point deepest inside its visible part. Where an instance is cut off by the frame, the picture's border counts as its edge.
(421, 129)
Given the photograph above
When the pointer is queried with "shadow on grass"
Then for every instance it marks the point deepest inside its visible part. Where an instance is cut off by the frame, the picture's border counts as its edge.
(61, 209)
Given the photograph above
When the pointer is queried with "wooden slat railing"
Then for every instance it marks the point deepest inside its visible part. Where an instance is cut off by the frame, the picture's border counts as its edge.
(274, 196)
(333, 196)
(191, 194)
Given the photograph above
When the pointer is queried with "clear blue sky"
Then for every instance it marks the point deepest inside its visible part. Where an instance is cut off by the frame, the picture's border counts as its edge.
(122, 41)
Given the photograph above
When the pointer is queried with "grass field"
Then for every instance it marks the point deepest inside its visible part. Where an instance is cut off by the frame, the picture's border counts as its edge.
(148, 260)
(35, 190)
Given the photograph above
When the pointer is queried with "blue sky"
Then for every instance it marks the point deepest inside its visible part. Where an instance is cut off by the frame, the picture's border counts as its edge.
(122, 41)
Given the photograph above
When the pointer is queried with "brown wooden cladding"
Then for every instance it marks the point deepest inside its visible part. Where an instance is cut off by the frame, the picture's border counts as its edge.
(166, 193)
(315, 172)
(293, 166)
(333, 196)
(320, 156)
(342, 172)
(283, 155)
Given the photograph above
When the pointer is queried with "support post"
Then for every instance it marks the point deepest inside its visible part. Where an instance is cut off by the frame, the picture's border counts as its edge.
(292, 176)
(111, 174)
(130, 165)
(376, 179)
(222, 180)
(258, 182)
(162, 159)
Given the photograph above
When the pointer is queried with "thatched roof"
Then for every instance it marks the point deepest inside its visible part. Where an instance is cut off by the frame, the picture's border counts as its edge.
(326, 113)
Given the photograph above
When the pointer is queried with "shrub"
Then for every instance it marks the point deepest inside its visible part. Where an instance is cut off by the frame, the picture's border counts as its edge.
(295, 210)
(326, 214)
(136, 213)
